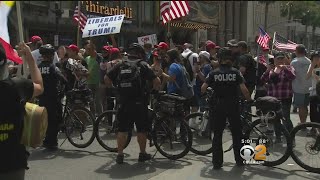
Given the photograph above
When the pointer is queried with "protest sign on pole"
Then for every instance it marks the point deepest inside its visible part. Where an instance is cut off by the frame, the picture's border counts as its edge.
(151, 39)
(103, 26)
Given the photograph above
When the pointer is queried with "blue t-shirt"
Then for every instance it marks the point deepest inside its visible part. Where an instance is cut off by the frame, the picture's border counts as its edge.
(175, 69)
(205, 71)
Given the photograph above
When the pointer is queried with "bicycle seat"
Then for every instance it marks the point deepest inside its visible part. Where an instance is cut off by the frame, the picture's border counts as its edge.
(175, 97)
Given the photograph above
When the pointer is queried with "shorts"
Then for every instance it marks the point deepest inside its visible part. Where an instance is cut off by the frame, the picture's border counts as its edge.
(130, 113)
(301, 100)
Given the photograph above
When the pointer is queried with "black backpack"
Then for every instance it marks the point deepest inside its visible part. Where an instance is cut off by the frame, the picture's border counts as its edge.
(129, 80)
(188, 66)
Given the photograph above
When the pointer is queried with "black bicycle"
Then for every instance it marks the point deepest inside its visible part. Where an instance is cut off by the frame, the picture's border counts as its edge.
(170, 133)
(307, 149)
(78, 121)
(107, 128)
(262, 131)
(201, 131)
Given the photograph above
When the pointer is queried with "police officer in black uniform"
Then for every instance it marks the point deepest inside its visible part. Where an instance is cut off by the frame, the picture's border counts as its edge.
(133, 109)
(51, 76)
(226, 81)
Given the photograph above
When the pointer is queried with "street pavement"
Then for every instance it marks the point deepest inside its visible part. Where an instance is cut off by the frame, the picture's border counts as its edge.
(95, 163)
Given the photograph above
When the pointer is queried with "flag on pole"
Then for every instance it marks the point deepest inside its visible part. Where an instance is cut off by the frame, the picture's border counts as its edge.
(263, 38)
(5, 7)
(282, 43)
(171, 10)
(80, 18)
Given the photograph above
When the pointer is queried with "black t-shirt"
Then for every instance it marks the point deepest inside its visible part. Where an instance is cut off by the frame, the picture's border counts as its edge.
(50, 76)
(146, 73)
(247, 61)
(225, 82)
(14, 93)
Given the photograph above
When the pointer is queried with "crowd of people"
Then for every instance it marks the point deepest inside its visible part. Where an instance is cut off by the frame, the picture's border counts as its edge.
(183, 70)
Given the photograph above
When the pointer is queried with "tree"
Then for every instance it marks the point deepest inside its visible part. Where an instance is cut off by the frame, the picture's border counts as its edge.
(266, 10)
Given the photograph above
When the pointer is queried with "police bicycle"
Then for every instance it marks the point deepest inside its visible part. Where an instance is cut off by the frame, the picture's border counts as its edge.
(169, 133)
(78, 121)
(201, 131)
(307, 149)
(261, 131)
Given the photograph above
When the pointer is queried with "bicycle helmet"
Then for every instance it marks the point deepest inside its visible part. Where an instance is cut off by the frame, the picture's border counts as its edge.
(47, 49)
(224, 53)
(136, 49)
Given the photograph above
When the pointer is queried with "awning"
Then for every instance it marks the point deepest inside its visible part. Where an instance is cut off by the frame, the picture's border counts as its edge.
(190, 25)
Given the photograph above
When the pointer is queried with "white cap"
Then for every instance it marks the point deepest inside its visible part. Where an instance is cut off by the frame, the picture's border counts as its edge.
(205, 54)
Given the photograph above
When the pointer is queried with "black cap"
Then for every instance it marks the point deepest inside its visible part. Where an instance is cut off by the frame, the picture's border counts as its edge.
(279, 55)
(232, 43)
(243, 44)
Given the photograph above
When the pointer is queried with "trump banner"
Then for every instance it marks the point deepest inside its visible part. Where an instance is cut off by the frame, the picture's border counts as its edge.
(103, 26)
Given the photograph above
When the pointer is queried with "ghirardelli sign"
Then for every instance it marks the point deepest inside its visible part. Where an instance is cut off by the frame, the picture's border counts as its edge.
(99, 8)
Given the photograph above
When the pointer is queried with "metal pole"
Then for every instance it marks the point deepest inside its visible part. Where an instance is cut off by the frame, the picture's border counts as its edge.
(78, 31)
(274, 37)
(20, 30)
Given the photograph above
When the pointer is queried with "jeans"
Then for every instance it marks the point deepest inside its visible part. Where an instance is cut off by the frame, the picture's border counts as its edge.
(286, 107)
(95, 105)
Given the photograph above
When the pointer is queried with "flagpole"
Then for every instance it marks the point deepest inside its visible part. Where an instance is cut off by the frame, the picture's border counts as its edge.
(274, 37)
(20, 30)
(78, 31)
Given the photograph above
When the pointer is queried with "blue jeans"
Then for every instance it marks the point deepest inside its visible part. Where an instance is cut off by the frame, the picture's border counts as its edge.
(286, 107)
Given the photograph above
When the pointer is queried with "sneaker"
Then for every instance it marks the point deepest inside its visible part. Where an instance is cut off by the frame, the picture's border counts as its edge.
(50, 147)
(120, 158)
(217, 167)
(144, 157)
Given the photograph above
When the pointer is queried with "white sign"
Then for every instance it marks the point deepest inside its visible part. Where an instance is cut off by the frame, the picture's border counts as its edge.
(103, 26)
(151, 39)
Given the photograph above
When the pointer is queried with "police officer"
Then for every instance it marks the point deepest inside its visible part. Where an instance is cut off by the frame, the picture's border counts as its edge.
(51, 76)
(225, 81)
(133, 109)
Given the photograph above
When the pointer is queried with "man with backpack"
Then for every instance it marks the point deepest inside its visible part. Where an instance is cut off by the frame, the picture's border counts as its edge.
(130, 78)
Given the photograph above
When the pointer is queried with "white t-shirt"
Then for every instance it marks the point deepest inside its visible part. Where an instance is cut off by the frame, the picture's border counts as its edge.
(314, 82)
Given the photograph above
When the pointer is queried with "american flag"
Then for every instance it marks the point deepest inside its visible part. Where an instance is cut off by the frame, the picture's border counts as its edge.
(262, 59)
(171, 10)
(83, 18)
(263, 38)
(282, 43)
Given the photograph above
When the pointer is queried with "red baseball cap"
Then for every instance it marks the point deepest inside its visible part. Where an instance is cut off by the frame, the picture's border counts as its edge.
(210, 45)
(107, 48)
(34, 39)
(155, 53)
(73, 48)
(163, 45)
(218, 47)
(114, 50)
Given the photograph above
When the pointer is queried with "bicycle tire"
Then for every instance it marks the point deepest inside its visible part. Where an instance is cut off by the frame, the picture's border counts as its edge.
(187, 143)
(99, 122)
(193, 148)
(90, 119)
(293, 155)
(286, 135)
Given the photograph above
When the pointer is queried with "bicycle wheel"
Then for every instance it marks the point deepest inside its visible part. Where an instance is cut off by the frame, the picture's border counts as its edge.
(79, 127)
(107, 129)
(276, 152)
(201, 136)
(172, 139)
(307, 149)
